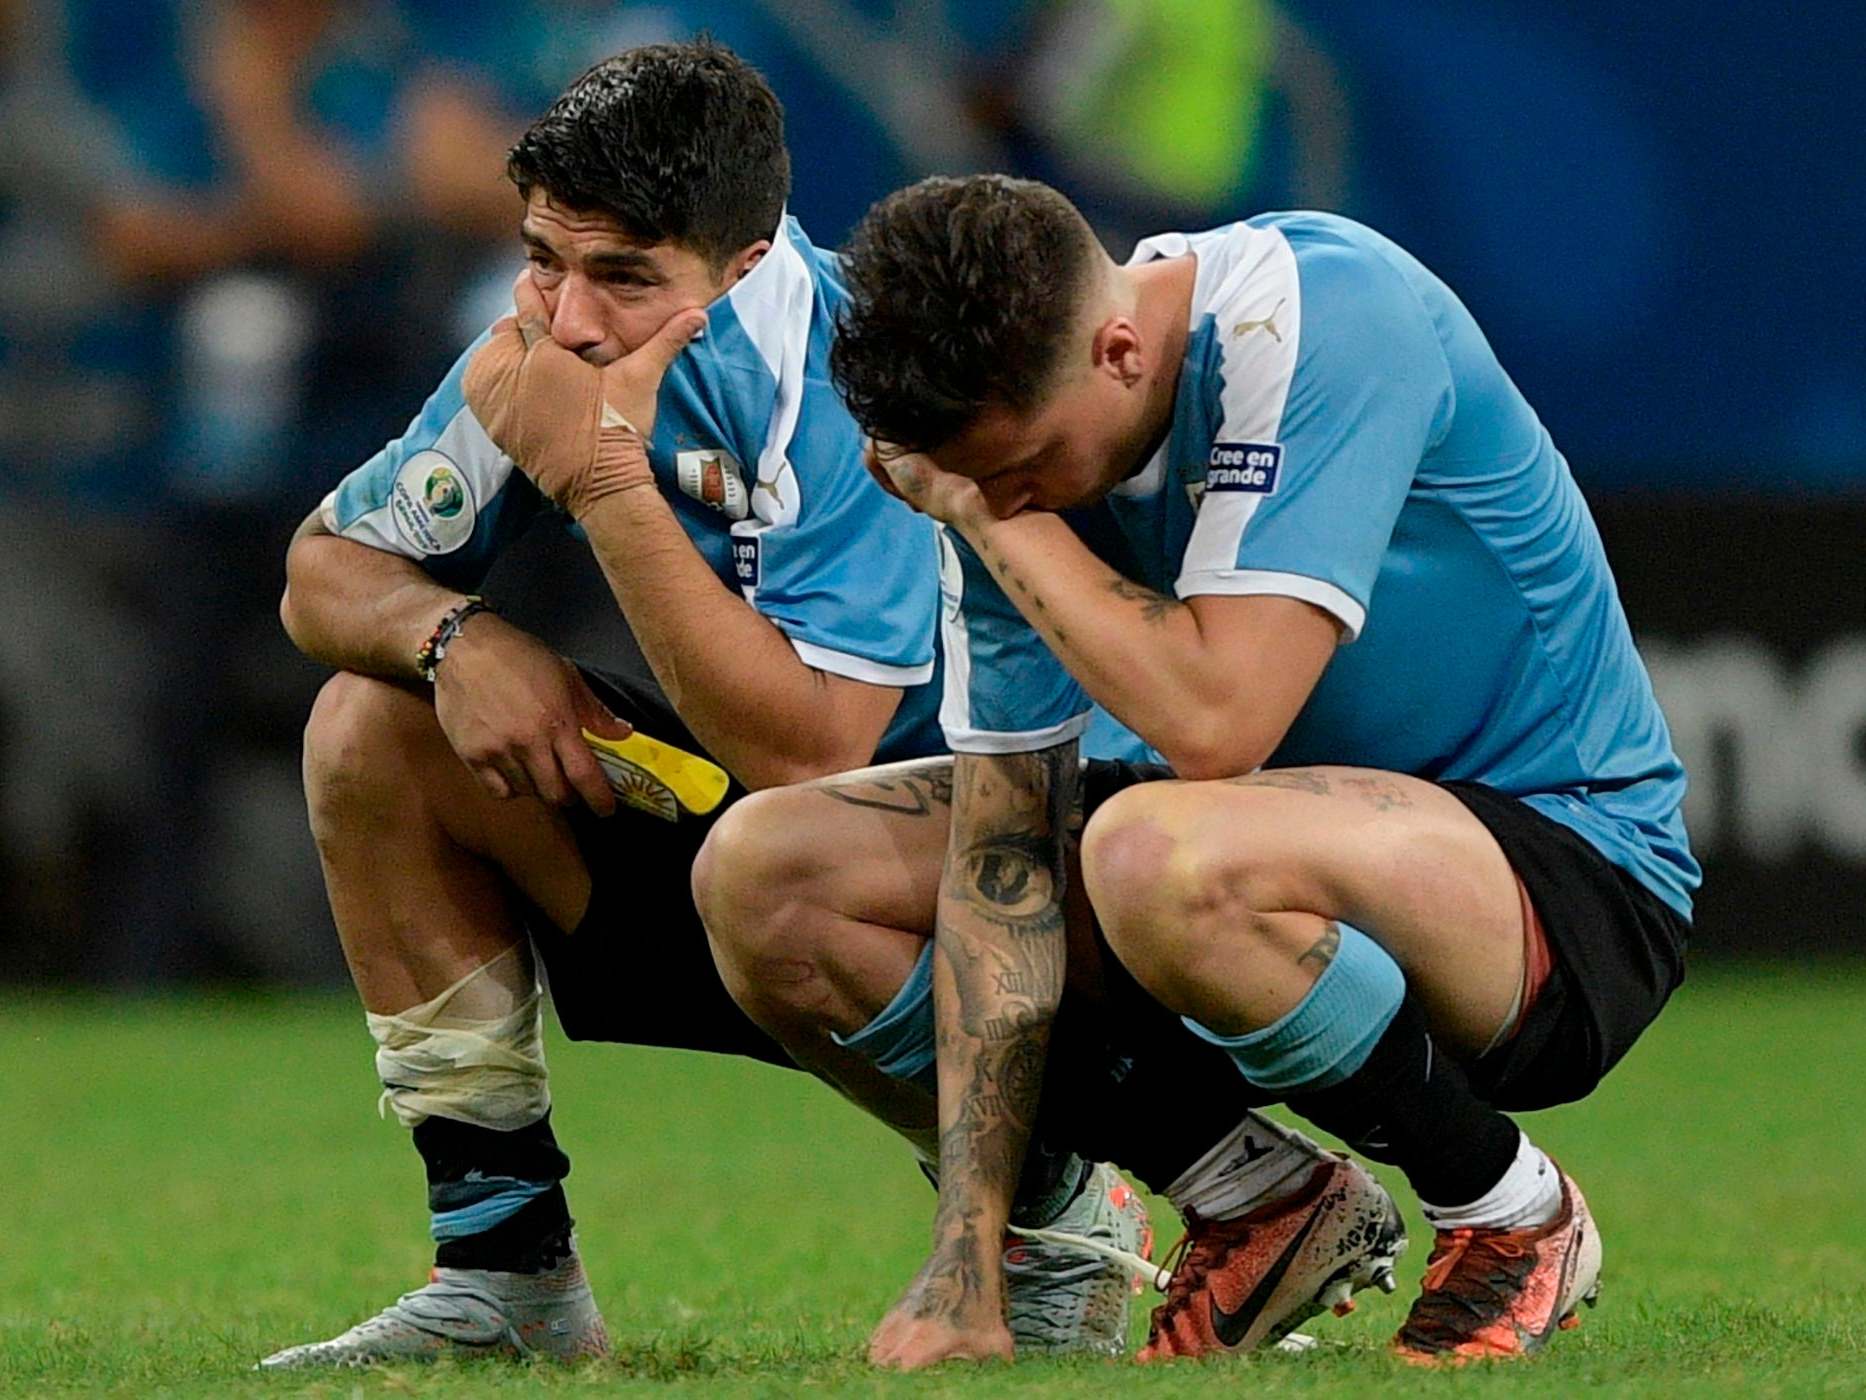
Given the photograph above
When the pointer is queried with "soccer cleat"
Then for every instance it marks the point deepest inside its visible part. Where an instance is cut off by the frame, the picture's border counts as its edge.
(1503, 1293)
(1062, 1298)
(469, 1312)
(1245, 1283)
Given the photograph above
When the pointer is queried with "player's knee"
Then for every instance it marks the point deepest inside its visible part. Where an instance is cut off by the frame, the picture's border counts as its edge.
(348, 743)
(1161, 887)
(755, 886)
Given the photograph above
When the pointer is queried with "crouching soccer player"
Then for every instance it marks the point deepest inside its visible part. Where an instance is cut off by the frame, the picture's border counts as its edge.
(786, 607)
(1423, 861)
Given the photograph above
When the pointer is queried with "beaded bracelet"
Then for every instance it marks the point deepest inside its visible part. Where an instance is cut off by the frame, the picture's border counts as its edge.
(428, 658)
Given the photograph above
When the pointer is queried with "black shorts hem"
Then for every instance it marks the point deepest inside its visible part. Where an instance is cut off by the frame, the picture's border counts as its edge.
(1617, 949)
(1617, 952)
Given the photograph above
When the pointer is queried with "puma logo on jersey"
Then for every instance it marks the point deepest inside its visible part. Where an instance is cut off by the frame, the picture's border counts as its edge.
(1267, 324)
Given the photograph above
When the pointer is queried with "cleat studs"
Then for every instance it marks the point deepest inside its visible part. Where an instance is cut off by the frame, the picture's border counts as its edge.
(1592, 1296)
(1569, 1321)
(1385, 1282)
(1344, 1307)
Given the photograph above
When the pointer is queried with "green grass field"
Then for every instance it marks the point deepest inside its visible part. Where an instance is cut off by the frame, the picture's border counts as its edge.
(186, 1185)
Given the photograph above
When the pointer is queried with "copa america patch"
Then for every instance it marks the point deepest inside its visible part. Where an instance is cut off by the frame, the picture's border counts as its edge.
(432, 503)
(713, 478)
(1244, 466)
(745, 560)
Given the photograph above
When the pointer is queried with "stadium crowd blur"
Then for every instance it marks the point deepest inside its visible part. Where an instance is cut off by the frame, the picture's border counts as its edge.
(241, 240)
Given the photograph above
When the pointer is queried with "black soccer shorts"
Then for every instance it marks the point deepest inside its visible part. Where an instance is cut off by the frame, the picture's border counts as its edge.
(637, 970)
(1134, 1085)
(1616, 949)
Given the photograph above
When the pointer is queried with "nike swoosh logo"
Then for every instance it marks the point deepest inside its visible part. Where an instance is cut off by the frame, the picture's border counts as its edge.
(1568, 1265)
(1231, 1327)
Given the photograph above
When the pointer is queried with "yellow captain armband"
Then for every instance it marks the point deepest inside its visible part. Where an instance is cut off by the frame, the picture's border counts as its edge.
(657, 777)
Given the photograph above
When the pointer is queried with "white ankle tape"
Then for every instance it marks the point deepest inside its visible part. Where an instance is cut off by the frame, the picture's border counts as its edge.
(475, 1053)
(1256, 1162)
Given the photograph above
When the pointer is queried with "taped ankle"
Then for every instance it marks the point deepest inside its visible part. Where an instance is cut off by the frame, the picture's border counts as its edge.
(474, 1054)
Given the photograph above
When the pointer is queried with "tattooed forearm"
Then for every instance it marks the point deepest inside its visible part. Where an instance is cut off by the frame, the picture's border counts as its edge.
(998, 977)
(1153, 606)
(915, 794)
(953, 1279)
(1017, 587)
(1002, 877)
(1322, 952)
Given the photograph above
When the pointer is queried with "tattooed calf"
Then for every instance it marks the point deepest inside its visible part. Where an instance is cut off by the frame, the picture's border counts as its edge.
(1322, 952)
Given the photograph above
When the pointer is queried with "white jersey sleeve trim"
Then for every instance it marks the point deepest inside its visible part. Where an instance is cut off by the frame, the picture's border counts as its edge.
(1258, 308)
(1026, 741)
(775, 302)
(1238, 583)
(859, 668)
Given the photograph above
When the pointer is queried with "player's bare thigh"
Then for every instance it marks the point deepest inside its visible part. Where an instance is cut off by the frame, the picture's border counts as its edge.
(1395, 856)
(862, 852)
(394, 809)
(884, 830)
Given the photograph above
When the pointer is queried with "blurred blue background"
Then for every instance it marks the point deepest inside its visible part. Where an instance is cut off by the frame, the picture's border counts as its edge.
(240, 241)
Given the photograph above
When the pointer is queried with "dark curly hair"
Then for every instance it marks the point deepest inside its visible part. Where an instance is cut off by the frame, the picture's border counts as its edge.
(680, 143)
(962, 295)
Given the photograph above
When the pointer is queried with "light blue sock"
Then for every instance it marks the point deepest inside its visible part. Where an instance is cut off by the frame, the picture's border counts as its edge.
(1331, 1031)
(900, 1040)
(900, 1043)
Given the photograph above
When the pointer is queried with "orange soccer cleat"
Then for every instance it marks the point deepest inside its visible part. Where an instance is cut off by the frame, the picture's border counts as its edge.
(1503, 1293)
(1244, 1283)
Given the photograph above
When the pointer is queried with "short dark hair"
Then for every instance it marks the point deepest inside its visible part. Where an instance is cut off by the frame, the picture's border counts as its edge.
(679, 143)
(962, 295)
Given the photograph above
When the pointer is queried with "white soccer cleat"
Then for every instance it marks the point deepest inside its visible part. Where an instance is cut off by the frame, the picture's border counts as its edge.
(1062, 1298)
(469, 1312)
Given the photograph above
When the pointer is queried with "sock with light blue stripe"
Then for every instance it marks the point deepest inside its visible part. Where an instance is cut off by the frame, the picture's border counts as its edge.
(495, 1199)
(483, 1202)
(899, 1041)
(1356, 1058)
(1329, 1034)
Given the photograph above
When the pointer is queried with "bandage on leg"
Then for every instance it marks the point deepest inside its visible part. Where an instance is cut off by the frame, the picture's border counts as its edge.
(474, 1054)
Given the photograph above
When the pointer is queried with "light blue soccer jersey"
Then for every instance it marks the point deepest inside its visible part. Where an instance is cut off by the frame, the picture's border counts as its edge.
(762, 465)
(1344, 434)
